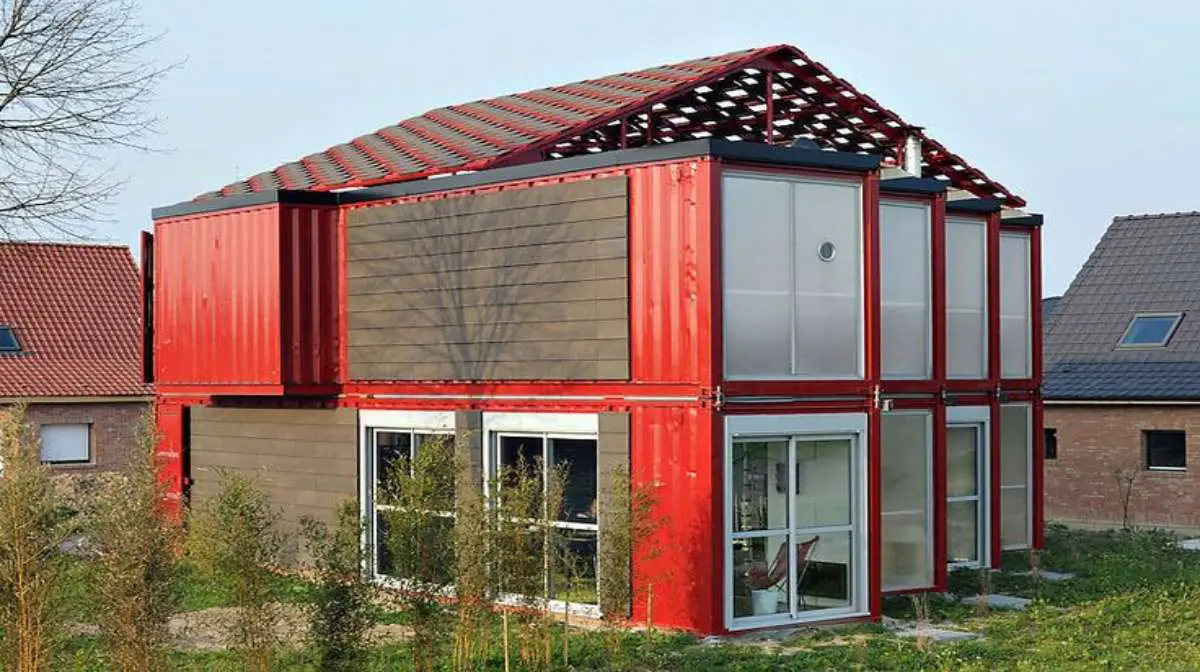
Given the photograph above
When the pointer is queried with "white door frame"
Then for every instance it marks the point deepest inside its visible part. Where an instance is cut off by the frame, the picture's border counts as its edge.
(793, 428)
(978, 418)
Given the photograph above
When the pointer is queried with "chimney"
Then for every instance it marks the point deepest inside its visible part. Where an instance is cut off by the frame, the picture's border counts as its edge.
(912, 153)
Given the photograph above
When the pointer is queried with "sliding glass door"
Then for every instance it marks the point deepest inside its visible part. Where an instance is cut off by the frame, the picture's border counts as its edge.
(796, 551)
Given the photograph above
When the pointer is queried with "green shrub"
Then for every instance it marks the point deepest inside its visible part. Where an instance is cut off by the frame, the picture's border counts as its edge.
(32, 530)
(340, 610)
(235, 537)
(135, 541)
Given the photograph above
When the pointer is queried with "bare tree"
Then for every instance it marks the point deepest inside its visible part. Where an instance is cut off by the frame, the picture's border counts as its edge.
(75, 80)
(1126, 476)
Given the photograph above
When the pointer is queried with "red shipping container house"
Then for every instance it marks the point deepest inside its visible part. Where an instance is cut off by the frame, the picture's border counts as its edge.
(715, 273)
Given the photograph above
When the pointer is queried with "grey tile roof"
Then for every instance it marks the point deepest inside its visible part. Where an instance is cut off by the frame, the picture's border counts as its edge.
(1048, 305)
(1116, 381)
(1144, 263)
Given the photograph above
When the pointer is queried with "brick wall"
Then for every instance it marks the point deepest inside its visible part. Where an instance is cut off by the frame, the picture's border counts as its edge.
(114, 429)
(1093, 441)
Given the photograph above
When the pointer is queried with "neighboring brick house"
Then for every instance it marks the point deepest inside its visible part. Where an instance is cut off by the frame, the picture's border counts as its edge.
(70, 346)
(1122, 387)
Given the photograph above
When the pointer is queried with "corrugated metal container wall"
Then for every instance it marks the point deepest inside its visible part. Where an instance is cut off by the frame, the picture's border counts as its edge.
(676, 450)
(311, 278)
(670, 274)
(217, 298)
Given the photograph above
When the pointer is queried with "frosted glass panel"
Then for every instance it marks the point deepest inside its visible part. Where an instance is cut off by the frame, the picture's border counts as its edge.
(1015, 297)
(906, 465)
(758, 341)
(1015, 447)
(792, 278)
(757, 270)
(821, 349)
(1014, 518)
(828, 301)
(966, 298)
(904, 274)
(1016, 451)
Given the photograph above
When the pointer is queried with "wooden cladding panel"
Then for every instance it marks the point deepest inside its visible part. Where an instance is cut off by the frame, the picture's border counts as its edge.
(305, 460)
(524, 284)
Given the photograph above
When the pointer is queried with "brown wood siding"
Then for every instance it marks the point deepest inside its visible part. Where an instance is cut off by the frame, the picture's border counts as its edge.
(305, 460)
(612, 447)
(528, 284)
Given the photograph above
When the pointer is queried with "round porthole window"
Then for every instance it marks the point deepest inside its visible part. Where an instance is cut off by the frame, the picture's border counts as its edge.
(826, 251)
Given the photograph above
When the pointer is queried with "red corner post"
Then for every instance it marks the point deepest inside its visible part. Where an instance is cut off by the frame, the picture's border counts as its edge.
(169, 418)
(874, 360)
(1039, 420)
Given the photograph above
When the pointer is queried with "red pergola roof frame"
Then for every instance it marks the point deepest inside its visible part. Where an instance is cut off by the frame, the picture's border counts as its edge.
(727, 97)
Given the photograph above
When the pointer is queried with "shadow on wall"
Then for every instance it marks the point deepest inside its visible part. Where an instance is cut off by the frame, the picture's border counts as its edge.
(524, 284)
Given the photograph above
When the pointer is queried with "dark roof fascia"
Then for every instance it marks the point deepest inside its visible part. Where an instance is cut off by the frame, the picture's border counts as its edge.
(925, 186)
(1032, 220)
(974, 206)
(738, 152)
(252, 199)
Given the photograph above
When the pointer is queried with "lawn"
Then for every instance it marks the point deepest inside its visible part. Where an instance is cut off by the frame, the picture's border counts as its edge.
(1134, 604)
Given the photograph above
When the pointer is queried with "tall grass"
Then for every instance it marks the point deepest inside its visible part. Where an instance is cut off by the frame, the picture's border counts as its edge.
(235, 536)
(136, 542)
(31, 533)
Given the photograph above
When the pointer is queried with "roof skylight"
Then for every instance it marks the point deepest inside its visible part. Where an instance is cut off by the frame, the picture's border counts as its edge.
(1150, 330)
(8, 340)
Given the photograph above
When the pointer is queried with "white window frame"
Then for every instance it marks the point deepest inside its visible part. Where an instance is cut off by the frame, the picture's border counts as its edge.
(862, 294)
(793, 428)
(1028, 479)
(928, 212)
(980, 419)
(87, 434)
(545, 426)
(370, 423)
(931, 503)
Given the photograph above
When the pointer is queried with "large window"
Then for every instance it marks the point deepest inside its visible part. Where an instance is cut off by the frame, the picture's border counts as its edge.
(904, 242)
(1016, 453)
(907, 469)
(393, 449)
(1166, 450)
(66, 444)
(792, 277)
(576, 525)
(1015, 305)
(966, 298)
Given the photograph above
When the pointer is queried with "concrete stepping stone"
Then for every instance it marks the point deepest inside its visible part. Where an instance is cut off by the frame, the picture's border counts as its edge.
(999, 601)
(911, 629)
(1050, 576)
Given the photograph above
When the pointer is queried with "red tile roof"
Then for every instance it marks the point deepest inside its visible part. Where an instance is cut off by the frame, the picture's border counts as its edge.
(718, 96)
(76, 310)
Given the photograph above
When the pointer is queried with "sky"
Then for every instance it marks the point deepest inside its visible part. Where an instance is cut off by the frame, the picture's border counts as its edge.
(1088, 109)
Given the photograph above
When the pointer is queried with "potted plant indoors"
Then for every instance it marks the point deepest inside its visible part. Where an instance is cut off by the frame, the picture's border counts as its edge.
(764, 594)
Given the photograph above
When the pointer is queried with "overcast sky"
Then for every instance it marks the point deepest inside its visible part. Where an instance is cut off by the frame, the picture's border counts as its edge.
(1088, 109)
